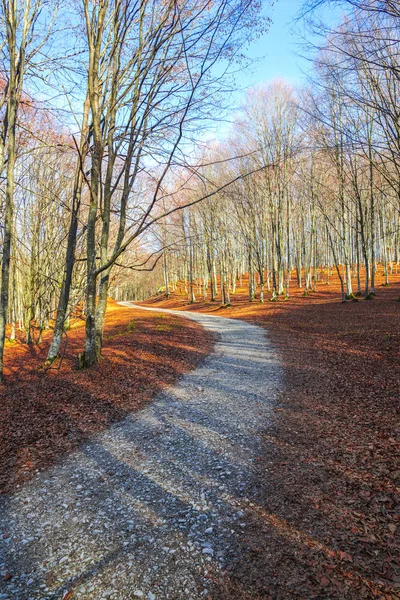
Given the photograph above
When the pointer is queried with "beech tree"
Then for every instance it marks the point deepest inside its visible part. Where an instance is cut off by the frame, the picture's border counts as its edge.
(109, 188)
(149, 78)
(22, 40)
(316, 198)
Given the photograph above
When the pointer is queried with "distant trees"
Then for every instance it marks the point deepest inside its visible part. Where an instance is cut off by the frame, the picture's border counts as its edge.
(319, 195)
(327, 195)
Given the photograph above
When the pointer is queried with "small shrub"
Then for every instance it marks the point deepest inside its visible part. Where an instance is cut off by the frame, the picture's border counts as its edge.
(131, 326)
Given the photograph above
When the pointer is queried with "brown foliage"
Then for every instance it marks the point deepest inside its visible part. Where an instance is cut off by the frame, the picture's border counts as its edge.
(44, 415)
(327, 521)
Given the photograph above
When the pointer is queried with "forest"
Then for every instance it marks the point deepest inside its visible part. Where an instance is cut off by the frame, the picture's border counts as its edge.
(306, 179)
(132, 170)
(115, 190)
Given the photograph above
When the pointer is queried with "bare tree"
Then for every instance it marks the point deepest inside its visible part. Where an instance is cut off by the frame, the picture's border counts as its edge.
(20, 44)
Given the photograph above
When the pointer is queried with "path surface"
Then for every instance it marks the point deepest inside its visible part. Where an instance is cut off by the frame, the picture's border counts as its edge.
(152, 508)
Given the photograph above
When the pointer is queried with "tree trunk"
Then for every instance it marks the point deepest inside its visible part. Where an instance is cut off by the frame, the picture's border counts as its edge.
(11, 116)
(63, 301)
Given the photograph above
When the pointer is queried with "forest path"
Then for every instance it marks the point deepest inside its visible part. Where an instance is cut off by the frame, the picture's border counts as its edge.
(155, 506)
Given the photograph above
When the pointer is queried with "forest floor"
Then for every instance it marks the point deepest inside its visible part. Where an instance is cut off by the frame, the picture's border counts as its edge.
(327, 525)
(155, 506)
(46, 415)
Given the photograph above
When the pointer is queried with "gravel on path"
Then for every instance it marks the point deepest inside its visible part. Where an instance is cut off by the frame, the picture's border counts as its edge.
(154, 507)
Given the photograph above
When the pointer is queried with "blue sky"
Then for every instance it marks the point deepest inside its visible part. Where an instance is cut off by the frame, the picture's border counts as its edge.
(278, 52)
(278, 47)
(274, 55)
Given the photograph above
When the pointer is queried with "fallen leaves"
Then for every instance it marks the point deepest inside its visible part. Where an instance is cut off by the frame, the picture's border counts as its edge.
(330, 470)
(44, 416)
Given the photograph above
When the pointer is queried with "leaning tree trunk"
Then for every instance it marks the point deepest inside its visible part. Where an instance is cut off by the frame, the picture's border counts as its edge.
(63, 301)
(91, 357)
(101, 311)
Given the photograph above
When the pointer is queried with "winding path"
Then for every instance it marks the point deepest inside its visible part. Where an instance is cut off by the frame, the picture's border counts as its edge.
(153, 507)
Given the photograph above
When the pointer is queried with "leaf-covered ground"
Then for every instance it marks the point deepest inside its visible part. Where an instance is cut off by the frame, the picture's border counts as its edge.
(44, 415)
(327, 523)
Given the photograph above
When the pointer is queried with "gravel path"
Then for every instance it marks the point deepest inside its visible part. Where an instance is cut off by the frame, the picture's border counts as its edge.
(155, 506)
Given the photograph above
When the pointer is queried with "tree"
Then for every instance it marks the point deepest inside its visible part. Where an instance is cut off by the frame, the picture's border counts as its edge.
(150, 76)
(20, 44)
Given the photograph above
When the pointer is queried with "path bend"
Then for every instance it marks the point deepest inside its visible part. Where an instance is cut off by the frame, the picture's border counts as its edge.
(153, 507)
